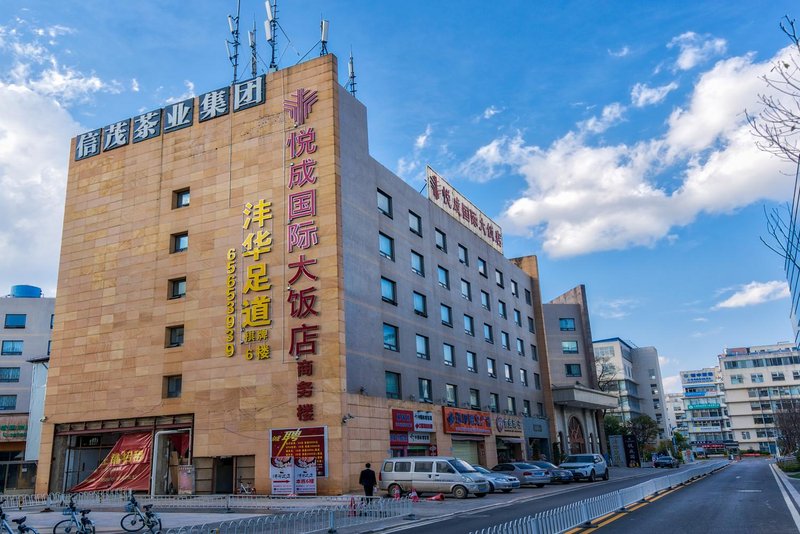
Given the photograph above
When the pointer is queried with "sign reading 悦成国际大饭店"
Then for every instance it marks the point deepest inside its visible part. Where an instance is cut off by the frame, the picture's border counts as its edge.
(175, 116)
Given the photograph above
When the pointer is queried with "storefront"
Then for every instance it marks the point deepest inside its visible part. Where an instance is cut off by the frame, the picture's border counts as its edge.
(412, 433)
(537, 437)
(509, 438)
(16, 475)
(468, 430)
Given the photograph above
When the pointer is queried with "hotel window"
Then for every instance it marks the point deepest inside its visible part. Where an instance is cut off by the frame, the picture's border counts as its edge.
(537, 381)
(11, 347)
(390, 337)
(172, 386)
(494, 400)
(180, 198)
(420, 304)
(517, 318)
(526, 408)
(778, 377)
(485, 300)
(174, 336)
(540, 409)
(463, 254)
(384, 203)
(466, 289)
(491, 367)
(415, 223)
(566, 324)
(52, 319)
(488, 335)
(523, 377)
(469, 325)
(474, 399)
(531, 328)
(451, 394)
(8, 402)
(482, 269)
(498, 278)
(504, 340)
(520, 347)
(502, 311)
(472, 362)
(386, 246)
(745, 435)
(9, 374)
(424, 390)
(795, 375)
(446, 312)
(527, 296)
(177, 288)
(392, 385)
(179, 242)
(444, 277)
(757, 378)
(508, 372)
(572, 369)
(417, 263)
(514, 288)
(388, 291)
(511, 405)
(569, 347)
(448, 353)
(737, 379)
(15, 320)
(423, 347)
(534, 353)
(441, 240)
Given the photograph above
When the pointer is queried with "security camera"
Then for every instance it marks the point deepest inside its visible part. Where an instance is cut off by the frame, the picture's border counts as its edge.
(43, 419)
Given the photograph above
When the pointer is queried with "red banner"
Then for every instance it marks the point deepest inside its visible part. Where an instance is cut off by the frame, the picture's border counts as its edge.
(127, 466)
(302, 443)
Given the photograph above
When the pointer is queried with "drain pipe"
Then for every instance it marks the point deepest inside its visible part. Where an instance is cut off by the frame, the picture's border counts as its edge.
(156, 438)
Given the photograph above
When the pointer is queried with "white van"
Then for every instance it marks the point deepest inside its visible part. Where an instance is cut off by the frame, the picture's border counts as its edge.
(432, 474)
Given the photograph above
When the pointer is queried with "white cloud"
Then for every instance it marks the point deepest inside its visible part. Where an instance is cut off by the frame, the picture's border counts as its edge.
(756, 293)
(622, 52)
(615, 308)
(134, 85)
(422, 139)
(696, 49)
(663, 360)
(491, 111)
(189, 93)
(672, 384)
(700, 320)
(584, 196)
(642, 95)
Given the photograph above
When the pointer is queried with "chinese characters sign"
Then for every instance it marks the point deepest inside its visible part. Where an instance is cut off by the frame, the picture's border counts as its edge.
(461, 421)
(127, 466)
(304, 443)
(446, 197)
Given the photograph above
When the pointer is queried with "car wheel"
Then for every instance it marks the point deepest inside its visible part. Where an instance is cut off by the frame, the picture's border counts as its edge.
(491, 487)
(605, 475)
(506, 491)
(592, 476)
(394, 489)
(539, 485)
(460, 492)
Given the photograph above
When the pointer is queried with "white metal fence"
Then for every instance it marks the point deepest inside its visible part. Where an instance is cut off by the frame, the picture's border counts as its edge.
(583, 512)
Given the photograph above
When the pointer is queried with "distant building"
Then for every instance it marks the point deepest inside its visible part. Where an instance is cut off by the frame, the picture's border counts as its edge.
(675, 414)
(706, 413)
(757, 379)
(578, 402)
(25, 339)
(637, 382)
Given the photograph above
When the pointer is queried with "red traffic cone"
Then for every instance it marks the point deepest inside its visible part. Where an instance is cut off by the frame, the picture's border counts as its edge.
(352, 510)
(396, 493)
(413, 495)
(437, 497)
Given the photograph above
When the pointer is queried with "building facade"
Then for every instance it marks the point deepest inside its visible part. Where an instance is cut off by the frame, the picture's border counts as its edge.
(25, 337)
(578, 403)
(240, 280)
(757, 381)
(706, 412)
(675, 414)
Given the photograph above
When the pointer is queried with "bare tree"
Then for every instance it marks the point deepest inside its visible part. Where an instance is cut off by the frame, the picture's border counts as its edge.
(606, 373)
(787, 423)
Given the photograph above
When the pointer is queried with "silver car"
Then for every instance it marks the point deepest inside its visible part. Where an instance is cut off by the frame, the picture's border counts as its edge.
(528, 475)
(498, 481)
(588, 466)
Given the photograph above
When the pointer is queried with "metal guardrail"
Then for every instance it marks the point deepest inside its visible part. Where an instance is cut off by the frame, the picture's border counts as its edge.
(357, 511)
(584, 512)
(52, 500)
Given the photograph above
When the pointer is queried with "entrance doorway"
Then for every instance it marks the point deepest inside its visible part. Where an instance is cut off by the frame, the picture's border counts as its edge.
(577, 441)
(223, 474)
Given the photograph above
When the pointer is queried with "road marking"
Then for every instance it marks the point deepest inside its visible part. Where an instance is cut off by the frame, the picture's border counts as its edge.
(749, 491)
(789, 503)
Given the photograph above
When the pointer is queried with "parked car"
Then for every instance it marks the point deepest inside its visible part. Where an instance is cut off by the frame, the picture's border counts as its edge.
(588, 466)
(498, 481)
(557, 474)
(665, 460)
(526, 473)
(431, 474)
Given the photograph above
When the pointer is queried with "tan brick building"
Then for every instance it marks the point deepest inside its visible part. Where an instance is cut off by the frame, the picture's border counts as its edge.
(225, 276)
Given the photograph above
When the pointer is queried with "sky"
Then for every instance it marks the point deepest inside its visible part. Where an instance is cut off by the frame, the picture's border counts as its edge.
(609, 139)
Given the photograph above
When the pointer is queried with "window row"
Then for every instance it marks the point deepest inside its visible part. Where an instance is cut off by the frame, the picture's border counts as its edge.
(391, 332)
(758, 378)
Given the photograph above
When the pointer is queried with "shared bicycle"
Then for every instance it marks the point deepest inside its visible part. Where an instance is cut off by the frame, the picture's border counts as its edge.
(140, 517)
(75, 524)
(20, 522)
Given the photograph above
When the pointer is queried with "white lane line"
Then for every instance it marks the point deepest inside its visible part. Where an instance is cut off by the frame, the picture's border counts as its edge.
(789, 503)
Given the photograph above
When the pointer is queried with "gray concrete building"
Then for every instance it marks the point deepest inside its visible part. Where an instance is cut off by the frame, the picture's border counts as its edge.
(25, 340)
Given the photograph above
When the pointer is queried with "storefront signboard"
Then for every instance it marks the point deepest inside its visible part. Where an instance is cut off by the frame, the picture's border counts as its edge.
(508, 425)
(305, 476)
(302, 442)
(398, 438)
(460, 421)
(14, 428)
(423, 421)
(281, 471)
(418, 438)
(127, 466)
(402, 420)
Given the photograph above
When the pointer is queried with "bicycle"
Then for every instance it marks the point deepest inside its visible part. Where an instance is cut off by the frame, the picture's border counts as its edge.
(20, 521)
(75, 524)
(245, 488)
(136, 520)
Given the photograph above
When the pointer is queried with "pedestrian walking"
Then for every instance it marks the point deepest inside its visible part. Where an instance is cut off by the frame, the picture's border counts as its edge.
(368, 480)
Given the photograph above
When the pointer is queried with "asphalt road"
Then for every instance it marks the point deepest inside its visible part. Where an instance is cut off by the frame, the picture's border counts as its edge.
(744, 497)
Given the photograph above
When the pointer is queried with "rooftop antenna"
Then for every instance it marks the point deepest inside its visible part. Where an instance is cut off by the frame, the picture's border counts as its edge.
(351, 75)
(271, 28)
(251, 35)
(233, 24)
(323, 26)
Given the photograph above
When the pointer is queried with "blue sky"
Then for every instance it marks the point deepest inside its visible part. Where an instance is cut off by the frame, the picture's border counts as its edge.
(607, 139)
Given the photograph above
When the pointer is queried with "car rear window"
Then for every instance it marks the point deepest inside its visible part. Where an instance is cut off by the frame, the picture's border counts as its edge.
(387, 467)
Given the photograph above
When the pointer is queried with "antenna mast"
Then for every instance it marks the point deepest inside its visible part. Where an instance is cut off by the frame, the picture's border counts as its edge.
(271, 28)
(233, 24)
(351, 79)
(252, 37)
(323, 26)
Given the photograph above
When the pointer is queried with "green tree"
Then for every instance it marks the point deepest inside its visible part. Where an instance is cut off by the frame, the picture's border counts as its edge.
(613, 426)
(644, 429)
(681, 442)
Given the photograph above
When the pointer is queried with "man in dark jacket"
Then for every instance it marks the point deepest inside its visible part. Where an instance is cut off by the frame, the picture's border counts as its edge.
(367, 479)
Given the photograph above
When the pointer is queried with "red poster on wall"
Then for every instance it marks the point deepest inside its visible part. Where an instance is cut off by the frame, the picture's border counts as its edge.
(127, 466)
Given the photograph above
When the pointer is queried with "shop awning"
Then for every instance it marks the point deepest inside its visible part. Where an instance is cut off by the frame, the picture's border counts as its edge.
(512, 440)
(467, 438)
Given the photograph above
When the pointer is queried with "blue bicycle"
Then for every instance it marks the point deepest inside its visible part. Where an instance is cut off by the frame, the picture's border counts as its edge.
(75, 524)
(20, 521)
